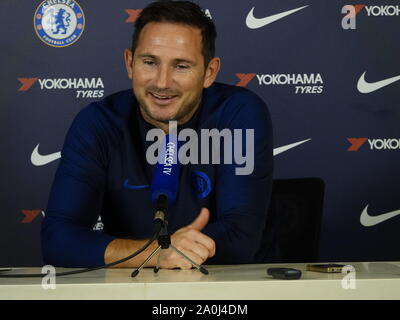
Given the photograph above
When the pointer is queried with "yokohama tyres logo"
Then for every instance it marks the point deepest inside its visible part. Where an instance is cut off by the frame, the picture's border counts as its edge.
(374, 144)
(26, 83)
(383, 11)
(30, 215)
(351, 12)
(85, 87)
(245, 78)
(303, 83)
(374, 11)
(133, 15)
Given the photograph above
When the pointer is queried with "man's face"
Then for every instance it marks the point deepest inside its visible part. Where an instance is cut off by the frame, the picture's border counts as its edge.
(168, 73)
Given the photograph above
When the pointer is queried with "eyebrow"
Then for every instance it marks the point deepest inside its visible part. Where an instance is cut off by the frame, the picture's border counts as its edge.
(177, 60)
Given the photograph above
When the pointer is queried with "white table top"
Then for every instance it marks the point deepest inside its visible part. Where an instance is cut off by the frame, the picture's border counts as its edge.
(371, 280)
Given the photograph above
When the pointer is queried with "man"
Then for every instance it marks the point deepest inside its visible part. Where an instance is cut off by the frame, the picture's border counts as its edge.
(103, 170)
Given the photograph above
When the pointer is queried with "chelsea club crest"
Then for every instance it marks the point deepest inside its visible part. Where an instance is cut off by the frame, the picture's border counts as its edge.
(59, 23)
(201, 184)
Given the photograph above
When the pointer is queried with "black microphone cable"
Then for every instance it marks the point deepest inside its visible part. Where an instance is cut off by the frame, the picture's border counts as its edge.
(37, 275)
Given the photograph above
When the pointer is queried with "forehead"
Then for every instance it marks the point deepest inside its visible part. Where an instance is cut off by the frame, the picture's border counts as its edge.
(165, 37)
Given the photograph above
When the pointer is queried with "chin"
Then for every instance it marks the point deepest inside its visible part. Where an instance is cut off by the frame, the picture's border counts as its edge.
(162, 116)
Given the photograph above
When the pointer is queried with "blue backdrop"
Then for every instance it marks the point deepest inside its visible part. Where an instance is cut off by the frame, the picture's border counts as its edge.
(330, 79)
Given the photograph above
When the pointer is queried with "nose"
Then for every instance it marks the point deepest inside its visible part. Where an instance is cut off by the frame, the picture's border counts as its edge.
(163, 80)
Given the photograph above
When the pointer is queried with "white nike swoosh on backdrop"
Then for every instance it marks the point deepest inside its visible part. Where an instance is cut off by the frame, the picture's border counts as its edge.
(40, 160)
(367, 87)
(288, 146)
(368, 221)
(255, 23)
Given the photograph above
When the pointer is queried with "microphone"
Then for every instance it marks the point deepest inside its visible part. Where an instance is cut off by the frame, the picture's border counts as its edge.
(164, 191)
(165, 182)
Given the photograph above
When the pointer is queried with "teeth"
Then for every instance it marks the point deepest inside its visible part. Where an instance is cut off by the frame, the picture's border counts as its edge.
(162, 97)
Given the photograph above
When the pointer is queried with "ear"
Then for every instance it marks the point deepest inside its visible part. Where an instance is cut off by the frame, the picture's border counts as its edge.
(128, 57)
(212, 71)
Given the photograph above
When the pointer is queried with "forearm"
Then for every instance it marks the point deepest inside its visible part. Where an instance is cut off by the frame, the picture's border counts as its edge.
(122, 248)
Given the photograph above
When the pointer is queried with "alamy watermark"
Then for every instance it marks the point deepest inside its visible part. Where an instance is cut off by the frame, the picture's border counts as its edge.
(349, 20)
(49, 280)
(191, 143)
(349, 280)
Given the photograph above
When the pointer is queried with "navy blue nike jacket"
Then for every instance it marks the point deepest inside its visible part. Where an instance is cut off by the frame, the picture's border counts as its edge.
(103, 172)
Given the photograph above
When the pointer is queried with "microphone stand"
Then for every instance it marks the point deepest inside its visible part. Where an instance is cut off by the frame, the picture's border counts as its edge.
(164, 240)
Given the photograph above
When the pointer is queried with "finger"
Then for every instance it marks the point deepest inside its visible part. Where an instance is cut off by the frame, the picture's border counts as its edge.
(193, 256)
(200, 251)
(170, 259)
(184, 264)
(201, 221)
(188, 238)
(192, 248)
(205, 241)
(187, 264)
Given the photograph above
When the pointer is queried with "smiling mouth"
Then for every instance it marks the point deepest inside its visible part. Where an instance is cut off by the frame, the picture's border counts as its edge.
(162, 99)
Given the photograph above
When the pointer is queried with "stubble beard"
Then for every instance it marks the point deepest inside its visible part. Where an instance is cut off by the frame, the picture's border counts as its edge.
(183, 115)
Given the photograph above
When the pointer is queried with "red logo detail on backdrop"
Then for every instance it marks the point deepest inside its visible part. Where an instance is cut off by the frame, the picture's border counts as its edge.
(133, 14)
(27, 83)
(357, 9)
(245, 78)
(30, 215)
(356, 143)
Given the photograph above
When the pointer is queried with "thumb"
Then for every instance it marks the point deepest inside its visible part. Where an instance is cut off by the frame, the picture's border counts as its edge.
(202, 219)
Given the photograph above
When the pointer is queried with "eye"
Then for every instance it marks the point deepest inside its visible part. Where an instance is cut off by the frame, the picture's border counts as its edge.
(149, 62)
(182, 67)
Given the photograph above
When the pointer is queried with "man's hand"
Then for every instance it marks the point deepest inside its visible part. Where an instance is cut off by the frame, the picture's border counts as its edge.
(196, 245)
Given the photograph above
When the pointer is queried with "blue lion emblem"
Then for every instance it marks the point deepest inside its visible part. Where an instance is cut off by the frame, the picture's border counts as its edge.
(60, 21)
